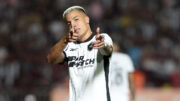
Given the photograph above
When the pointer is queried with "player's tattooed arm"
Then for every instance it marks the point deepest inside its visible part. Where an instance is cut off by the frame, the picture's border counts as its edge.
(56, 54)
(104, 48)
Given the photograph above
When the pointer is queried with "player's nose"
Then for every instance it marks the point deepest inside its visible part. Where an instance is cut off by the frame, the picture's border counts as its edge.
(73, 24)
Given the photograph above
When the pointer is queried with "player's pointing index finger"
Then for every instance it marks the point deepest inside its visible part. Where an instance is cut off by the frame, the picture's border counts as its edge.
(97, 32)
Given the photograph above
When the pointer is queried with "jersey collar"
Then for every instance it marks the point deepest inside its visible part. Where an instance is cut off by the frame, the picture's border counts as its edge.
(92, 35)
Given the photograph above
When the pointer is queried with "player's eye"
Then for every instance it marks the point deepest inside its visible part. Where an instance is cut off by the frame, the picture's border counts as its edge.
(76, 19)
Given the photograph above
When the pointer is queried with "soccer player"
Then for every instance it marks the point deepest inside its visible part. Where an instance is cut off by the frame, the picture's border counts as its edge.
(121, 77)
(88, 55)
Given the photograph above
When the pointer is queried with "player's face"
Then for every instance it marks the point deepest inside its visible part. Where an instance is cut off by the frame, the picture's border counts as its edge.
(78, 22)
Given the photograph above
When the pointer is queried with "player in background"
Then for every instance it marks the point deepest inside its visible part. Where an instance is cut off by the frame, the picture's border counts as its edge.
(122, 86)
(88, 55)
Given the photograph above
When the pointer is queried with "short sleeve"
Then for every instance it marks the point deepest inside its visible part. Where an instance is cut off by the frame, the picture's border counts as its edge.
(107, 40)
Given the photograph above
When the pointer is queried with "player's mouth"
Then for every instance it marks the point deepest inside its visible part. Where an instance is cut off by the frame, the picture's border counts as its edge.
(76, 30)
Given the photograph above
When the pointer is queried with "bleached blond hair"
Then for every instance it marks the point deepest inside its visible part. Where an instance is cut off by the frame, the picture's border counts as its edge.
(72, 8)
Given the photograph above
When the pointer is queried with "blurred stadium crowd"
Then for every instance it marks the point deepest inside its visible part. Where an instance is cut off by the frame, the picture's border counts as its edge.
(148, 30)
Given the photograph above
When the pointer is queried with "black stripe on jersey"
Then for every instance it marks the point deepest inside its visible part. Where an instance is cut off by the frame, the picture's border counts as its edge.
(106, 69)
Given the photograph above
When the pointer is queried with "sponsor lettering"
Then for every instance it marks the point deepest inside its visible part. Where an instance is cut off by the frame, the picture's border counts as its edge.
(80, 61)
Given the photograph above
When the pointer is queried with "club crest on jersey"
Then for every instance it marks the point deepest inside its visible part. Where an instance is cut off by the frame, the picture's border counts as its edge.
(80, 61)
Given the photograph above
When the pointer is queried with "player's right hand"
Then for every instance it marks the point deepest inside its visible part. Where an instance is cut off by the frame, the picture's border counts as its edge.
(72, 36)
(99, 43)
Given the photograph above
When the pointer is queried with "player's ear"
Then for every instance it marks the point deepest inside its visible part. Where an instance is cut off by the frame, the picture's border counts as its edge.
(87, 19)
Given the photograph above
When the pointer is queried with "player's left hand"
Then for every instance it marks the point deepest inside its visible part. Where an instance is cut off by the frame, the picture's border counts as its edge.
(99, 43)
